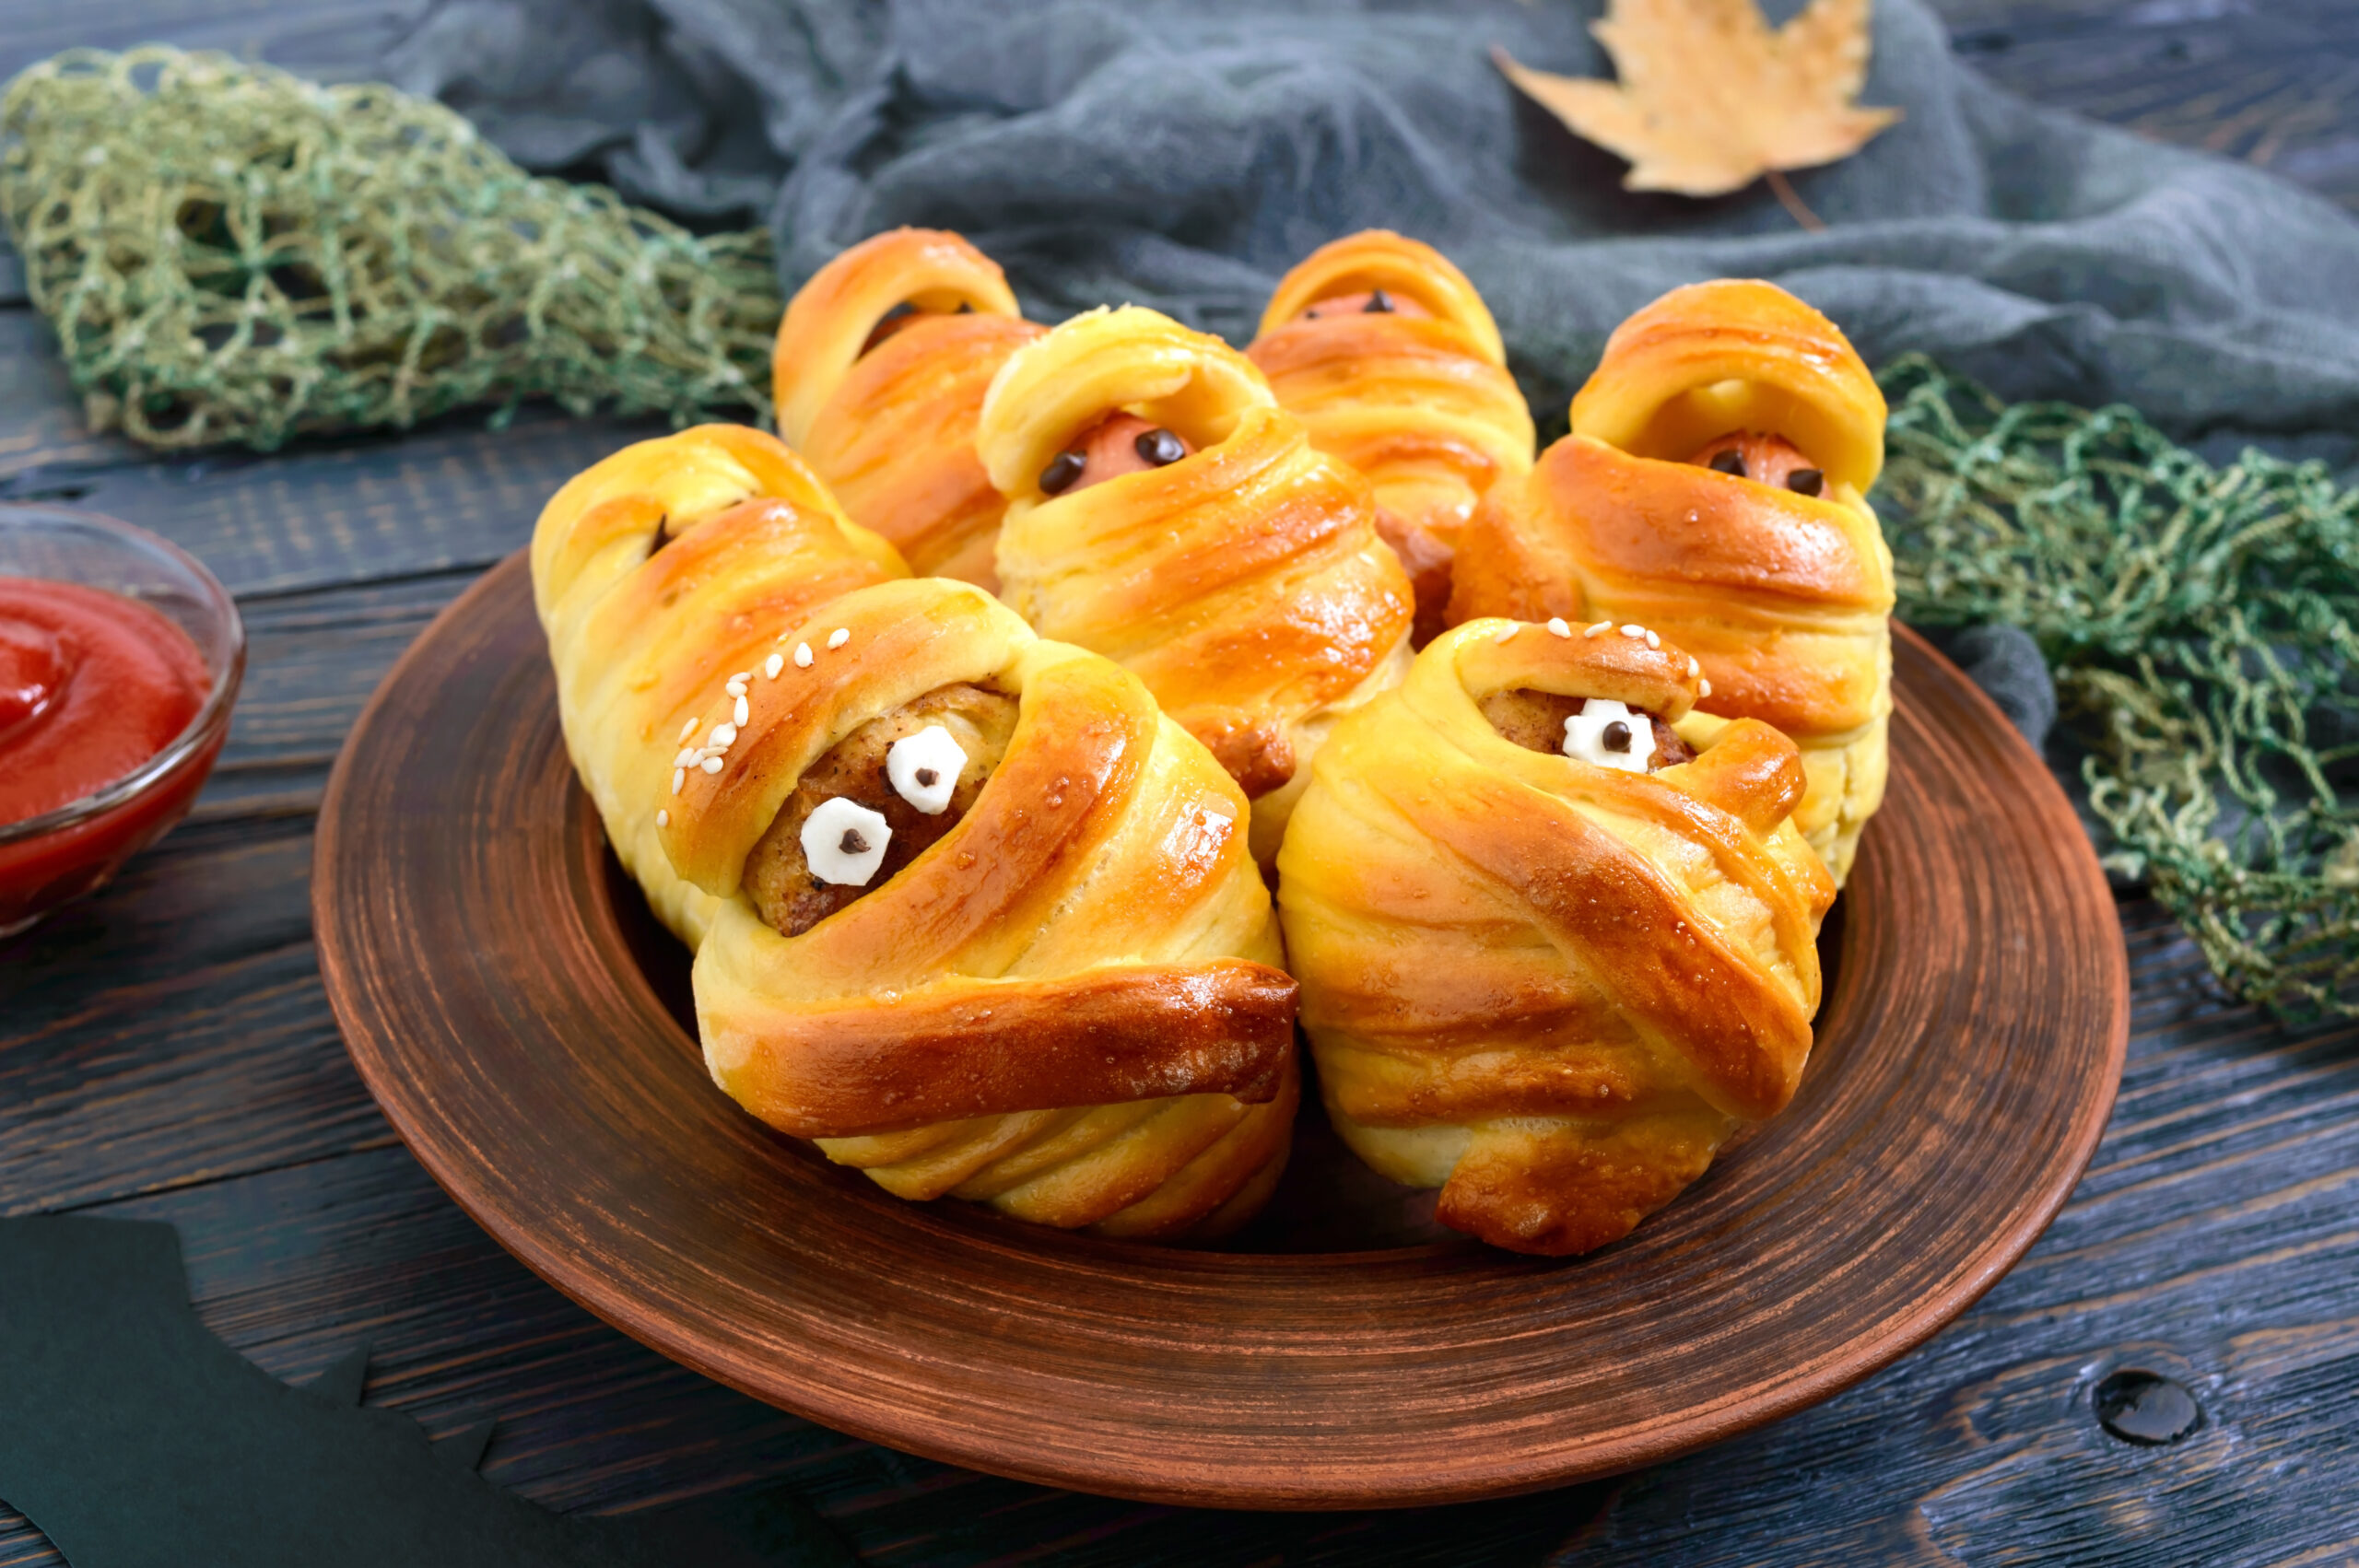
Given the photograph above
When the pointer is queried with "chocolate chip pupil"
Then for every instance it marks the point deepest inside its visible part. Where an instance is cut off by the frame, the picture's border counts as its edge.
(1159, 447)
(1062, 470)
(926, 776)
(852, 843)
(1729, 461)
(1617, 737)
(1379, 303)
(1806, 481)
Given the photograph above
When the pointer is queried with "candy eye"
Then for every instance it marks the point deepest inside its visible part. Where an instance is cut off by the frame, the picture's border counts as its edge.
(843, 842)
(924, 769)
(1378, 303)
(1610, 734)
(1062, 470)
(1730, 461)
(1806, 481)
(1159, 447)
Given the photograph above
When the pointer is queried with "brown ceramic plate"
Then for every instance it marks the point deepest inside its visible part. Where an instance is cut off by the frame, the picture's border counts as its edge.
(520, 1018)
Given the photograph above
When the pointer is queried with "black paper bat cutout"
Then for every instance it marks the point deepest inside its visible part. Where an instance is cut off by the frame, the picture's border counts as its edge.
(135, 1439)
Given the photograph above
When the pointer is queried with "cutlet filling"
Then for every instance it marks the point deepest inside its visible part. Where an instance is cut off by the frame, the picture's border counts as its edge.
(1590, 728)
(876, 801)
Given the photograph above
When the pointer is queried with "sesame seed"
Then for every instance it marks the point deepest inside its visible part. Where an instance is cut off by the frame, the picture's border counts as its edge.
(803, 656)
(1634, 633)
(840, 636)
(662, 819)
(1653, 641)
(723, 737)
(1600, 629)
(1693, 669)
(679, 777)
(741, 678)
(772, 665)
(735, 688)
(1508, 634)
(710, 764)
(744, 710)
(1703, 689)
(689, 728)
(1557, 626)
(688, 755)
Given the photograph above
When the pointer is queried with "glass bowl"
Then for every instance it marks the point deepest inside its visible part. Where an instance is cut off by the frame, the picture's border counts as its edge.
(72, 849)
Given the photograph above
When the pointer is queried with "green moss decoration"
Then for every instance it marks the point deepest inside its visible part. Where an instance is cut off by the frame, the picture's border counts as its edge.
(2199, 621)
(232, 254)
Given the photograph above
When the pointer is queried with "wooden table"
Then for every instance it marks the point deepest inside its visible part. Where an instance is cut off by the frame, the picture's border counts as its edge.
(166, 1052)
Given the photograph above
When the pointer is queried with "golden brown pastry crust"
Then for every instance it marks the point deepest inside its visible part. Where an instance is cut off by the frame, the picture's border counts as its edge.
(1783, 597)
(1422, 404)
(1551, 988)
(891, 428)
(1245, 583)
(1068, 1004)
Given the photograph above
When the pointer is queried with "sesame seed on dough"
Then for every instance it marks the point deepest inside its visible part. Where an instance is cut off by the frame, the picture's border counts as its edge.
(689, 728)
(1508, 634)
(1600, 629)
(710, 764)
(840, 636)
(1703, 690)
(1653, 641)
(1693, 669)
(662, 819)
(1634, 633)
(772, 665)
(743, 711)
(1557, 625)
(679, 777)
(803, 656)
(687, 754)
(723, 737)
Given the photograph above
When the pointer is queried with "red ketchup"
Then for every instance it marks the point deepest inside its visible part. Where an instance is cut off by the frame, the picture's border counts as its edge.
(92, 686)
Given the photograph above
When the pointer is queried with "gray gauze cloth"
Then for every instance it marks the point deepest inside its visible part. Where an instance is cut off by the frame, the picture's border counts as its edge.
(1183, 155)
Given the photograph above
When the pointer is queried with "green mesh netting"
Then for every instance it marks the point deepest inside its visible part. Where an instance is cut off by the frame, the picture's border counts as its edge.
(230, 253)
(2199, 621)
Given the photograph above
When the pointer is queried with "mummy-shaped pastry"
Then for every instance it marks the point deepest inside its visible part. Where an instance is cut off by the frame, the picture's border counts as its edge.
(1711, 489)
(1549, 986)
(1165, 511)
(1393, 363)
(879, 370)
(967, 909)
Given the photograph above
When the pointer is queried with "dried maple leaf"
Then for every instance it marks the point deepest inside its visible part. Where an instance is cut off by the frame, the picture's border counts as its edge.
(1711, 97)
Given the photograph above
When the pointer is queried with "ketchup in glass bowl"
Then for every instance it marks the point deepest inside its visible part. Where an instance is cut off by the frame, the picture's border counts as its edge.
(119, 658)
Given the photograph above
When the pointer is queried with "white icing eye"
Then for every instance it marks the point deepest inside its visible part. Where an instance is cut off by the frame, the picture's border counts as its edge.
(924, 769)
(843, 841)
(1607, 733)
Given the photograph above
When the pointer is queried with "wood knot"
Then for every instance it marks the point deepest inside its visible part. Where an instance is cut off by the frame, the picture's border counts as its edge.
(2146, 1408)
